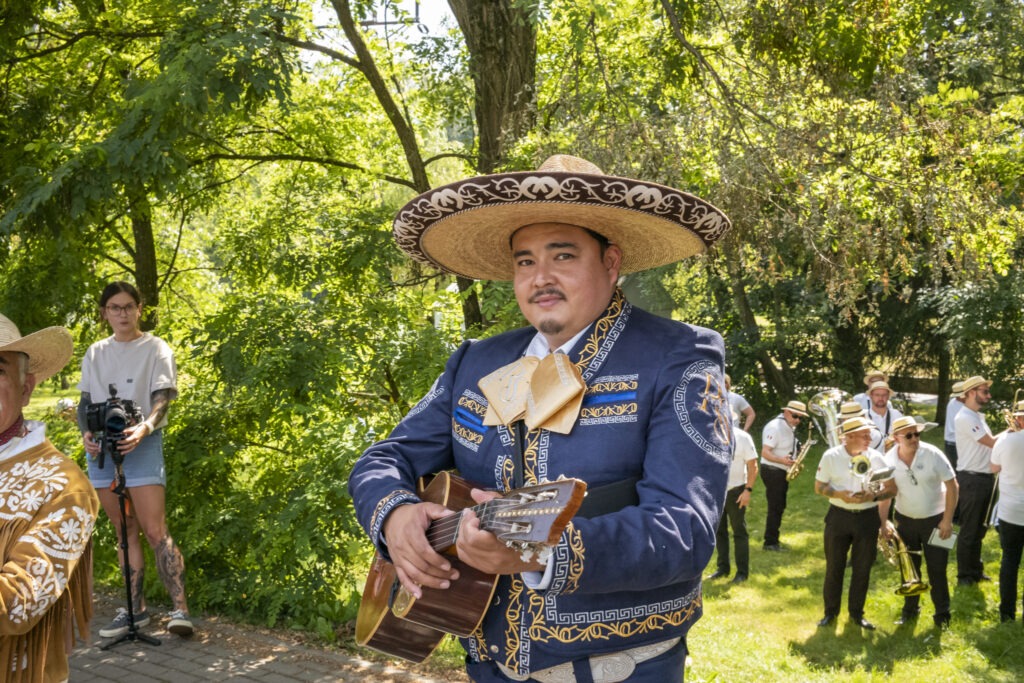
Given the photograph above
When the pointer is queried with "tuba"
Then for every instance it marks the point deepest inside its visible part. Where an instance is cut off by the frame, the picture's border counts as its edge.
(798, 463)
(872, 480)
(895, 551)
(825, 405)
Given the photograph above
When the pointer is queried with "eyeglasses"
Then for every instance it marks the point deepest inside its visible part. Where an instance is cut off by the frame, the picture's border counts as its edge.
(911, 435)
(910, 473)
(127, 309)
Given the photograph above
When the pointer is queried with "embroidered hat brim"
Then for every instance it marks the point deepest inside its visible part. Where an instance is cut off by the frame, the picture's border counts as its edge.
(465, 227)
(48, 349)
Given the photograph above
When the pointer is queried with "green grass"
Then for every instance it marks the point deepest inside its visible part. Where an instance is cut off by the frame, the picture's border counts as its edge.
(766, 628)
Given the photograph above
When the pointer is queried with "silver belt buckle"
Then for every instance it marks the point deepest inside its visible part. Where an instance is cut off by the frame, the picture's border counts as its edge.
(612, 668)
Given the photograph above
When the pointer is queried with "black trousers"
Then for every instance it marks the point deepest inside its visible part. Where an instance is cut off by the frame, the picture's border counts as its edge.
(775, 489)
(915, 534)
(853, 534)
(1011, 538)
(736, 517)
(951, 453)
(975, 495)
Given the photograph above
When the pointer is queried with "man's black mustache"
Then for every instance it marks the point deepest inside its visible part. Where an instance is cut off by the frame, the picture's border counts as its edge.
(551, 291)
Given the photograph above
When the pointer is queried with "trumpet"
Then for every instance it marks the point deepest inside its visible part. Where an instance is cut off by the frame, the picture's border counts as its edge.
(895, 551)
(798, 463)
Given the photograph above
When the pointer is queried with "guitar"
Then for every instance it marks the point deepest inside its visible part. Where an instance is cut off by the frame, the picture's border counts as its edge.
(395, 622)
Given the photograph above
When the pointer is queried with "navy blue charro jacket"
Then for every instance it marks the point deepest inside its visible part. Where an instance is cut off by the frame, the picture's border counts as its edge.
(654, 408)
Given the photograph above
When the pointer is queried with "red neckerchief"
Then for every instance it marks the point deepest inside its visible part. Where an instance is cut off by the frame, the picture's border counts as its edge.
(12, 431)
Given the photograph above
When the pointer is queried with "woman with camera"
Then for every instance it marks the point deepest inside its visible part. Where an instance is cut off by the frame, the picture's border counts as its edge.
(140, 368)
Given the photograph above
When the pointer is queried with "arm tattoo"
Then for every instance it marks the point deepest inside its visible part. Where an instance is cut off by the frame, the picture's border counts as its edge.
(161, 399)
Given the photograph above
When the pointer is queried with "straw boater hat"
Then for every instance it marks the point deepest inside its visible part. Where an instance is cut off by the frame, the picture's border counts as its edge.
(466, 227)
(1018, 408)
(797, 407)
(850, 409)
(879, 385)
(974, 383)
(908, 422)
(855, 424)
(869, 378)
(48, 350)
(958, 390)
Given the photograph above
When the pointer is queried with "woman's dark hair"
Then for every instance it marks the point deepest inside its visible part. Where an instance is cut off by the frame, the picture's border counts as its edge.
(115, 288)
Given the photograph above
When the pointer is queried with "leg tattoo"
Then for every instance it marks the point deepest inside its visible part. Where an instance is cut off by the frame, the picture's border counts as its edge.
(171, 568)
(137, 579)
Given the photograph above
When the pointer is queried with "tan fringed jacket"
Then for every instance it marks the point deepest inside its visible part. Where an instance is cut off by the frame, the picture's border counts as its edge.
(47, 513)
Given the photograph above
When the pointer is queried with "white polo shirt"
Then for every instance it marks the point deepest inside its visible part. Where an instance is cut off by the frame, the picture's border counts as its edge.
(883, 426)
(972, 456)
(834, 469)
(744, 453)
(1008, 453)
(921, 488)
(778, 436)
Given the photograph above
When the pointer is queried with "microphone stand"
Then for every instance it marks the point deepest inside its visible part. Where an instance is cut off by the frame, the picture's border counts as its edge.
(133, 633)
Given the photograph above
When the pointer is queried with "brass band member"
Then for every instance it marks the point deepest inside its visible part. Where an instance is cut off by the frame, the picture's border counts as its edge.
(778, 451)
(1008, 461)
(974, 442)
(740, 406)
(882, 414)
(852, 522)
(956, 402)
(742, 475)
(926, 496)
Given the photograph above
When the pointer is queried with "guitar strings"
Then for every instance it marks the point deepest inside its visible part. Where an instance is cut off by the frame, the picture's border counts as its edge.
(444, 529)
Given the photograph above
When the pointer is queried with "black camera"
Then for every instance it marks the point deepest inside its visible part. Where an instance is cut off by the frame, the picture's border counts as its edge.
(107, 422)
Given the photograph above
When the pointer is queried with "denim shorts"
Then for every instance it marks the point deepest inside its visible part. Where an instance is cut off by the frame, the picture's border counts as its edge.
(144, 466)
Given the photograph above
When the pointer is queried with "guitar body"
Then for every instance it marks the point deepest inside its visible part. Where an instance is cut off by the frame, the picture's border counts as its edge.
(395, 622)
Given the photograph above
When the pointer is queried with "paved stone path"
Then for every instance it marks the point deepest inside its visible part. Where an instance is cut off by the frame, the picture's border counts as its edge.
(221, 651)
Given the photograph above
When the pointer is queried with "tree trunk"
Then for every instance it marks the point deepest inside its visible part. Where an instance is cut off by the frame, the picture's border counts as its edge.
(501, 37)
(776, 380)
(502, 40)
(145, 258)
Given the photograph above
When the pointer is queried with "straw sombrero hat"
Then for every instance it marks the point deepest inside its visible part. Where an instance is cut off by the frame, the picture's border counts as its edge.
(465, 227)
(48, 350)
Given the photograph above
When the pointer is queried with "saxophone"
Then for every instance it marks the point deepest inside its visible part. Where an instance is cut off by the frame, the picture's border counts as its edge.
(895, 551)
(798, 463)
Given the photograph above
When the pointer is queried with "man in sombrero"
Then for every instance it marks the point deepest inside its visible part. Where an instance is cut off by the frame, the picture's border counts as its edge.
(47, 512)
(614, 396)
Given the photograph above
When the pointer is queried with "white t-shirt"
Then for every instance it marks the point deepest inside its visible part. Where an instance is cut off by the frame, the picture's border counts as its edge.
(738, 405)
(971, 456)
(744, 453)
(921, 488)
(834, 469)
(136, 369)
(1008, 453)
(952, 408)
(883, 426)
(778, 436)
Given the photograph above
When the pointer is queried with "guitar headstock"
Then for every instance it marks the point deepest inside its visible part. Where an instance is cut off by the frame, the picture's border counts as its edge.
(534, 515)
